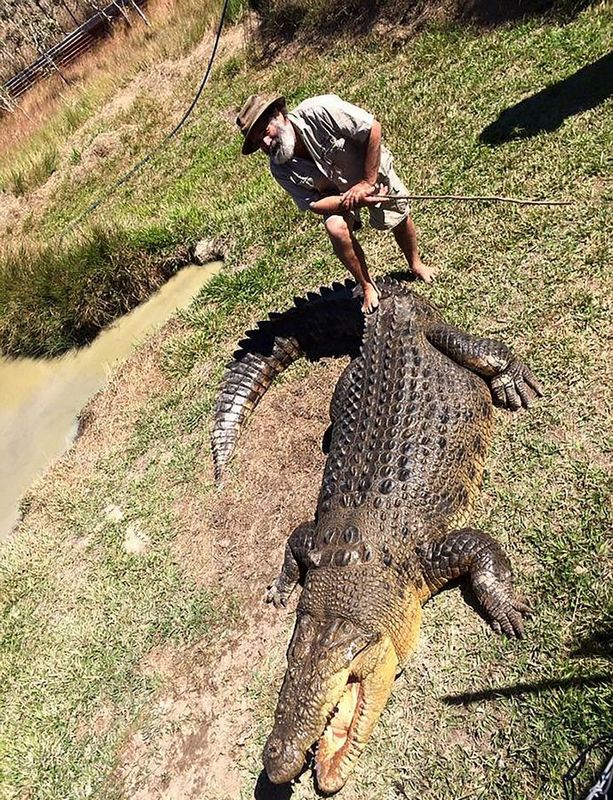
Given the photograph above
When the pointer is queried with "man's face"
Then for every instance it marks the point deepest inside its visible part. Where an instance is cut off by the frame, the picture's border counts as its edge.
(275, 136)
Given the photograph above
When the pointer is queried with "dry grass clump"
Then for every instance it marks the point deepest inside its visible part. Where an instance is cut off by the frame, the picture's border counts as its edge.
(51, 110)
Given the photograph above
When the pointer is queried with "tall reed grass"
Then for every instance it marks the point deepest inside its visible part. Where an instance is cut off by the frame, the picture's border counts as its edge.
(33, 170)
(52, 299)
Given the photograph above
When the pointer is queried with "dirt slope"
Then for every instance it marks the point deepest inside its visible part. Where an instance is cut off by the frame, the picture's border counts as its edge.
(233, 540)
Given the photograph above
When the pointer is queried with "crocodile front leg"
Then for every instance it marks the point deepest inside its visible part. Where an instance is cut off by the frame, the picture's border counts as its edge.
(510, 379)
(473, 554)
(294, 566)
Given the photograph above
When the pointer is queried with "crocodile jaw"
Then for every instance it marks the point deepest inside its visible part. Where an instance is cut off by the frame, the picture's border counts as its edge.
(353, 704)
(357, 711)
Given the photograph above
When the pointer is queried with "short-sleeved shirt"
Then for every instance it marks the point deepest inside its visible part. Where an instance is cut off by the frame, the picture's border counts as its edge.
(335, 133)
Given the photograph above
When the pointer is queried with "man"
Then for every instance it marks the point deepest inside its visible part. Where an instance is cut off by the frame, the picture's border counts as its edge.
(327, 154)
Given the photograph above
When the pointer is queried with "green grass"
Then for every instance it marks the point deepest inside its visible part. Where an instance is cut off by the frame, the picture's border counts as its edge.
(65, 109)
(473, 715)
(50, 303)
(79, 614)
(37, 169)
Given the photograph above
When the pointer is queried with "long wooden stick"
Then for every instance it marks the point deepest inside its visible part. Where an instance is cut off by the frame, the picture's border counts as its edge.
(518, 200)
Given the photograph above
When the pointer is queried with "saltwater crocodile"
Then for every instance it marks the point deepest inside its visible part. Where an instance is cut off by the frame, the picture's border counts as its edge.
(411, 423)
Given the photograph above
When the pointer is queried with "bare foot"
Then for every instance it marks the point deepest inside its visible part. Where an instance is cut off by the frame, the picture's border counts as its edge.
(426, 274)
(371, 299)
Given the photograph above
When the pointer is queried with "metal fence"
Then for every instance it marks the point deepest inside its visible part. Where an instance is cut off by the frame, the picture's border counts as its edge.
(71, 47)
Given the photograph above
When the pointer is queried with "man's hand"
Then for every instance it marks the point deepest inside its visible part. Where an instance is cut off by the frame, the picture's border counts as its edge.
(333, 204)
(356, 196)
(377, 197)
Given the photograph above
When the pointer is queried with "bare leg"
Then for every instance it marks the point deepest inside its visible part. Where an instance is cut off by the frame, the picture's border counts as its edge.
(350, 253)
(406, 236)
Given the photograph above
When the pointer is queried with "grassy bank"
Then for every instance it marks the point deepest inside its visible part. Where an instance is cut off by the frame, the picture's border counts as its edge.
(56, 299)
(78, 284)
(32, 138)
(82, 612)
(179, 197)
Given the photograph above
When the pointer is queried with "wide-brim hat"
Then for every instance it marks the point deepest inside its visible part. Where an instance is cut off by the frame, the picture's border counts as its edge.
(255, 107)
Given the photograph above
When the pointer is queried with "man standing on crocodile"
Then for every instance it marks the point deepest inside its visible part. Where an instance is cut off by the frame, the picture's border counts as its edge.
(327, 154)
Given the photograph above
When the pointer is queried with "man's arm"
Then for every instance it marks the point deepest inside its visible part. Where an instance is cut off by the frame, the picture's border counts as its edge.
(355, 196)
(333, 204)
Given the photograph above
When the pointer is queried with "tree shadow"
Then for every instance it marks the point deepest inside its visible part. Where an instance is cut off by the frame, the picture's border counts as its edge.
(527, 688)
(498, 12)
(284, 21)
(546, 110)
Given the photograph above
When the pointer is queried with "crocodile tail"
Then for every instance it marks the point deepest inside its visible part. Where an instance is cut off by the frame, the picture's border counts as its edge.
(327, 323)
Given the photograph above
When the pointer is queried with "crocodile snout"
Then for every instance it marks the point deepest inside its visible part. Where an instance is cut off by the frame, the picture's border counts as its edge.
(282, 759)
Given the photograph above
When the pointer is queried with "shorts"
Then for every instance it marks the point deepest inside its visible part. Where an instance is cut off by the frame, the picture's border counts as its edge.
(384, 216)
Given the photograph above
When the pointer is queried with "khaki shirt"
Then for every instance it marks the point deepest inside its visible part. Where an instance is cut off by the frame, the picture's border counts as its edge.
(334, 132)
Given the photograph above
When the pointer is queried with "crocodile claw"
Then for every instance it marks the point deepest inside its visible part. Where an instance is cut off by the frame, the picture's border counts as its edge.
(513, 387)
(508, 618)
(276, 596)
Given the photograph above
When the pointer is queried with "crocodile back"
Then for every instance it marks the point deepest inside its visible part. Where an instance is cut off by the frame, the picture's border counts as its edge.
(408, 445)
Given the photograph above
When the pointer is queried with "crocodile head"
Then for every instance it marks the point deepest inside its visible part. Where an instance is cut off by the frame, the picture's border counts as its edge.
(337, 683)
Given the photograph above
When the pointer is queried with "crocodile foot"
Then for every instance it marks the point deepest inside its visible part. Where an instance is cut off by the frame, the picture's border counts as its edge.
(278, 594)
(511, 388)
(505, 608)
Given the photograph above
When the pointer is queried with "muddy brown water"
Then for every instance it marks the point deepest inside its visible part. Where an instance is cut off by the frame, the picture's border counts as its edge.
(41, 399)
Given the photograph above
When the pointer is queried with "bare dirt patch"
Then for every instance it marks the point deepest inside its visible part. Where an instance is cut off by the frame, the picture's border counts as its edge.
(236, 537)
(107, 420)
(105, 145)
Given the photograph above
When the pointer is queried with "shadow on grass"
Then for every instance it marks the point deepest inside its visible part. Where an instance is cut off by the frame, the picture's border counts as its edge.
(598, 643)
(546, 110)
(282, 21)
(528, 688)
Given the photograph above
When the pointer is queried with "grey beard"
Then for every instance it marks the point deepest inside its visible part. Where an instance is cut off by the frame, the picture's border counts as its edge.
(282, 149)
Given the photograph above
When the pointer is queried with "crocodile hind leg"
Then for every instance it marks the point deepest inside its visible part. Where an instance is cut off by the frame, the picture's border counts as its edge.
(472, 554)
(294, 566)
(511, 382)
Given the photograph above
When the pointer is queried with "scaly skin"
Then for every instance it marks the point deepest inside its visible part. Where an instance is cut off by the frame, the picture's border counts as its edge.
(411, 423)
